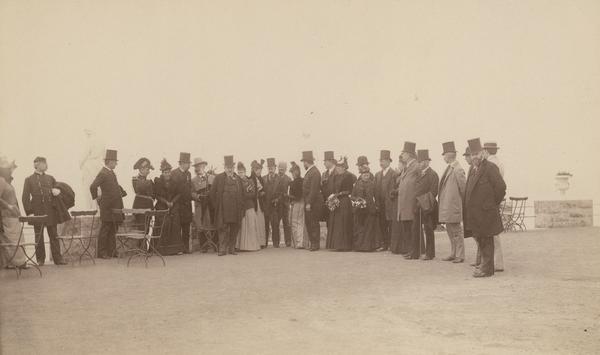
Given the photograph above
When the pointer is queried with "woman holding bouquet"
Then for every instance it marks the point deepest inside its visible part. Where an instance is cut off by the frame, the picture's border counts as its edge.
(367, 232)
(341, 222)
(247, 238)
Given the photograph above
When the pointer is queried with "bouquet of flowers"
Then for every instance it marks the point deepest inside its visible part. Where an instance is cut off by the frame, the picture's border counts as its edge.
(359, 203)
(333, 202)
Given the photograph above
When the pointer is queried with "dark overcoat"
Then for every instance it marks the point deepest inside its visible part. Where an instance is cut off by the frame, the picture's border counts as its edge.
(428, 182)
(311, 190)
(37, 197)
(385, 202)
(227, 195)
(181, 189)
(112, 195)
(484, 192)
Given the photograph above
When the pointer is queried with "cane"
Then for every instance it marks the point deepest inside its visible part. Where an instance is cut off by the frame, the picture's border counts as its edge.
(420, 229)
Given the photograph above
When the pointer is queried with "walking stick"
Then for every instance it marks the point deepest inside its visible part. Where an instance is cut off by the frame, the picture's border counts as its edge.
(420, 230)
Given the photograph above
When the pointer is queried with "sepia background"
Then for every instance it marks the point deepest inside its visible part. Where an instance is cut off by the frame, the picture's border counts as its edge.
(272, 78)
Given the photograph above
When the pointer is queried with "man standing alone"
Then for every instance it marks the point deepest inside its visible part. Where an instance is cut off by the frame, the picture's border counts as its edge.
(452, 188)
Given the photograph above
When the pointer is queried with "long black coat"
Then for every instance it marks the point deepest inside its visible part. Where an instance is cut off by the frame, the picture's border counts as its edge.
(227, 195)
(426, 183)
(112, 195)
(386, 204)
(37, 197)
(181, 185)
(484, 192)
(311, 190)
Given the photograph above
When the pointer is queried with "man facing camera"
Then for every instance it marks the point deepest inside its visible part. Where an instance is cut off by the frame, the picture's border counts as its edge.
(39, 192)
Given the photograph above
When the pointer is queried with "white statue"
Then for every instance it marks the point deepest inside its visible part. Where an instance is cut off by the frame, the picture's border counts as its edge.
(90, 164)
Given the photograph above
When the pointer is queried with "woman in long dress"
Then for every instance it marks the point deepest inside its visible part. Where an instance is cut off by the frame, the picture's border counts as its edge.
(257, 182)
(247, 239)
(367, 231)
(300, 238)
(341, 221)
(170, 241)
(10, 213)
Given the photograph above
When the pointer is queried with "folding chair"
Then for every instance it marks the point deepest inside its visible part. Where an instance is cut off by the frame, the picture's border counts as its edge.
(143, 246)
(22, 245)
(129, 229)
(78, 237)
(518, 213)
(506, 214)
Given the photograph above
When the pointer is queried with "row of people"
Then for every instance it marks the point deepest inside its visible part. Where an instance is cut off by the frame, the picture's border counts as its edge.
(390, 210)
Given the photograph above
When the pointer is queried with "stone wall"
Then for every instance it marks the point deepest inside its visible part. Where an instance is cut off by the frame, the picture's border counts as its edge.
(567, 213)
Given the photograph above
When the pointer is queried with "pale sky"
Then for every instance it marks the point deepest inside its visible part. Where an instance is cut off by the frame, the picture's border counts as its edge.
(272, 78)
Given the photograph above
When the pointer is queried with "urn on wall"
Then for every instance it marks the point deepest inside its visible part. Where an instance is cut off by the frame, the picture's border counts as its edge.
(562, 181)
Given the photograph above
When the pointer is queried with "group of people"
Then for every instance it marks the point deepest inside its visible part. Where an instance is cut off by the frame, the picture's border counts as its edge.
(393, 209)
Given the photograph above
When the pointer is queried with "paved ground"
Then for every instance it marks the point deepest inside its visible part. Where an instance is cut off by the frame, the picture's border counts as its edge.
(293, 301)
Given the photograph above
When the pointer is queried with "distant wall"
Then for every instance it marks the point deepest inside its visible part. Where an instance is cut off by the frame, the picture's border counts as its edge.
(567, 213)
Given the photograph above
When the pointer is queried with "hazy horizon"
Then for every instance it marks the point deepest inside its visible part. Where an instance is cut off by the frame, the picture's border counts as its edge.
(273, 78)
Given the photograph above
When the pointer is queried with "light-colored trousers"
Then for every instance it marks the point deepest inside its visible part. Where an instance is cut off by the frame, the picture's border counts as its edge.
(457, 240)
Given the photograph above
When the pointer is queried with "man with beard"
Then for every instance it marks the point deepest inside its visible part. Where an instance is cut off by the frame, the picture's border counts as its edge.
(484, 192)
(407, 201)
(313, 199)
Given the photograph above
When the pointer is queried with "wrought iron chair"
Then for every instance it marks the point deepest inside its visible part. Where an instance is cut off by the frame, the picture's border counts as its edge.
(78, 237)
(129, 231)
(23, 246)
(518, 213)
(142, 237)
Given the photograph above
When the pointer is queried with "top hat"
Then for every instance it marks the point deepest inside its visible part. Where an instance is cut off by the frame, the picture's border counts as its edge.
(467, 152)
(110, 155)
(39, 160)
(362, 160)
(490, 145)
(328, 155)
(409, 147)
(422, 155)
(475, 145)
(198, 161)
(184, 157)
(228, 160)
(308, 156)
(385, 155)
(271, 162)
(143, 163)
(448, 147)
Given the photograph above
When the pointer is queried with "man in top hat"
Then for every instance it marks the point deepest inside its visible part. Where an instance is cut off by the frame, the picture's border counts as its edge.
(283, 205)
(426, 192)
(110, 197)
(490, 150)
(313, 200)
(407, 201)
(201, 184)
(272, 191)
(384, 184)
(39, 193)
(227, 196)
(467, 233)
(452, 188)
(181, 188)
(485, 191)
(327, 181)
